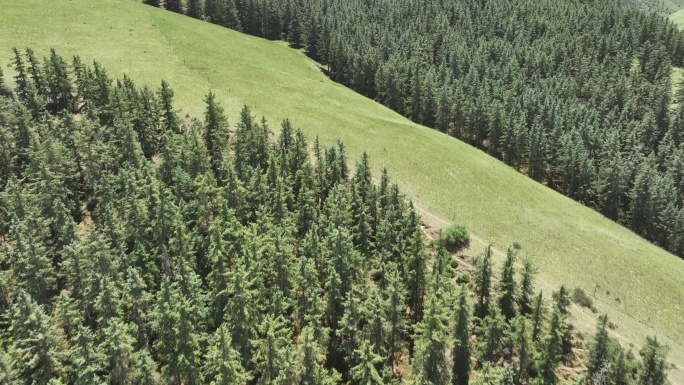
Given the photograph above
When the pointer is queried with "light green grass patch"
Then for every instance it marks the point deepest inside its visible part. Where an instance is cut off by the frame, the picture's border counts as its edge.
(448, 180)
(678, 18)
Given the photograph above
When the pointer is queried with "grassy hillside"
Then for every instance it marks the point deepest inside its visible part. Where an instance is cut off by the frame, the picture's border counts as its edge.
(678, 18)
(639, 285)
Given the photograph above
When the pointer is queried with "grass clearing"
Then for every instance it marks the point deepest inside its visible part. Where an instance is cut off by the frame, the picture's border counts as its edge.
(640, 286)
(678, 18)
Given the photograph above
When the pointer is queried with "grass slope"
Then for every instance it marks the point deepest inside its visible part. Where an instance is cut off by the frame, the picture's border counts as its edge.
(678, 18)
(639, 285)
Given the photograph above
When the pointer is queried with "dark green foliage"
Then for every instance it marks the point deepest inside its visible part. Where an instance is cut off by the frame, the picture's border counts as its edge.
(141, 248)
(655, 367)
(174, 5)
(430, 365)
(526, 287)
(461, 350)
(194, 9)
(599, 355)
(581, 298)
(508, 286)
(483, 283)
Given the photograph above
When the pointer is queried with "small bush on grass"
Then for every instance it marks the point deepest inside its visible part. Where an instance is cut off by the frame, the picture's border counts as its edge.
(455, 238)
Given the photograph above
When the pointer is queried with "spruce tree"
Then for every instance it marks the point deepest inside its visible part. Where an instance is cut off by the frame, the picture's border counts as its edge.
(8, 374)
(525, 301)
(270, 349)
(194, 8)
(396, 317)
(461, 350)
(366, 373)
(537, 317)
(483, 283)
(599, 354)
(551, 350)
(222, 364)
(174, 5)
(492, 331)
(36, 342)
(507, 286)
(654, 365)
(430, 365)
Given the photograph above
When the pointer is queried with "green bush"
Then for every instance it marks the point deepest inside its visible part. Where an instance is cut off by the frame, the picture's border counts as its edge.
(454, 264)
(455, 238)
(463, 279)
(581, 298)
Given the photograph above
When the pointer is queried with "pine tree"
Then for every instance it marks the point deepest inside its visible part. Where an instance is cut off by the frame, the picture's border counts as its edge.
(537, 317)
(241, 313)
(416, 276)
(86, 356)
(21, 78)
(8, 375)
(430, 365)
(194, 8)
(561, 300)
(524, 350)
(174, 5)
(36, 342)
(599, 354)
(170, 120)
(461, 350)
(222, 365)
(270, 349)
(483, 283)
(4, 90)
(492, 331)
(215, 131)
(311, 359)
(366, 373)
(396, 317)
(29, 258)
(551, 350)
(118, 349)
(507, 286)
(654, 364)
(526, 287)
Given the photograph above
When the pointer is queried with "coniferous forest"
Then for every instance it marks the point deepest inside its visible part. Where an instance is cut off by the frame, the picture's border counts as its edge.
(140, 247)
(576, 94)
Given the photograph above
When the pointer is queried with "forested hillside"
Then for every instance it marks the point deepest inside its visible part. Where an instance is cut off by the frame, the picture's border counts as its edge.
(141, 248)
(575, 94)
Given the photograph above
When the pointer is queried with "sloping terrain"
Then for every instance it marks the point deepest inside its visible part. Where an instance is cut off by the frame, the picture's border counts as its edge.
(678, 18)
(640, 286)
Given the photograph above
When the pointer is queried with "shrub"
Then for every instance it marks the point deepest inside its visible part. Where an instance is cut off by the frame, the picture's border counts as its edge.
(581, 298)
(454, 264)
(463, 279)
(455, 238)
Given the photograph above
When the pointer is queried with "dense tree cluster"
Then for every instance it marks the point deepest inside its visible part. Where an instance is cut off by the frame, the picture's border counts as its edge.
(576, 94)
(139, 248)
